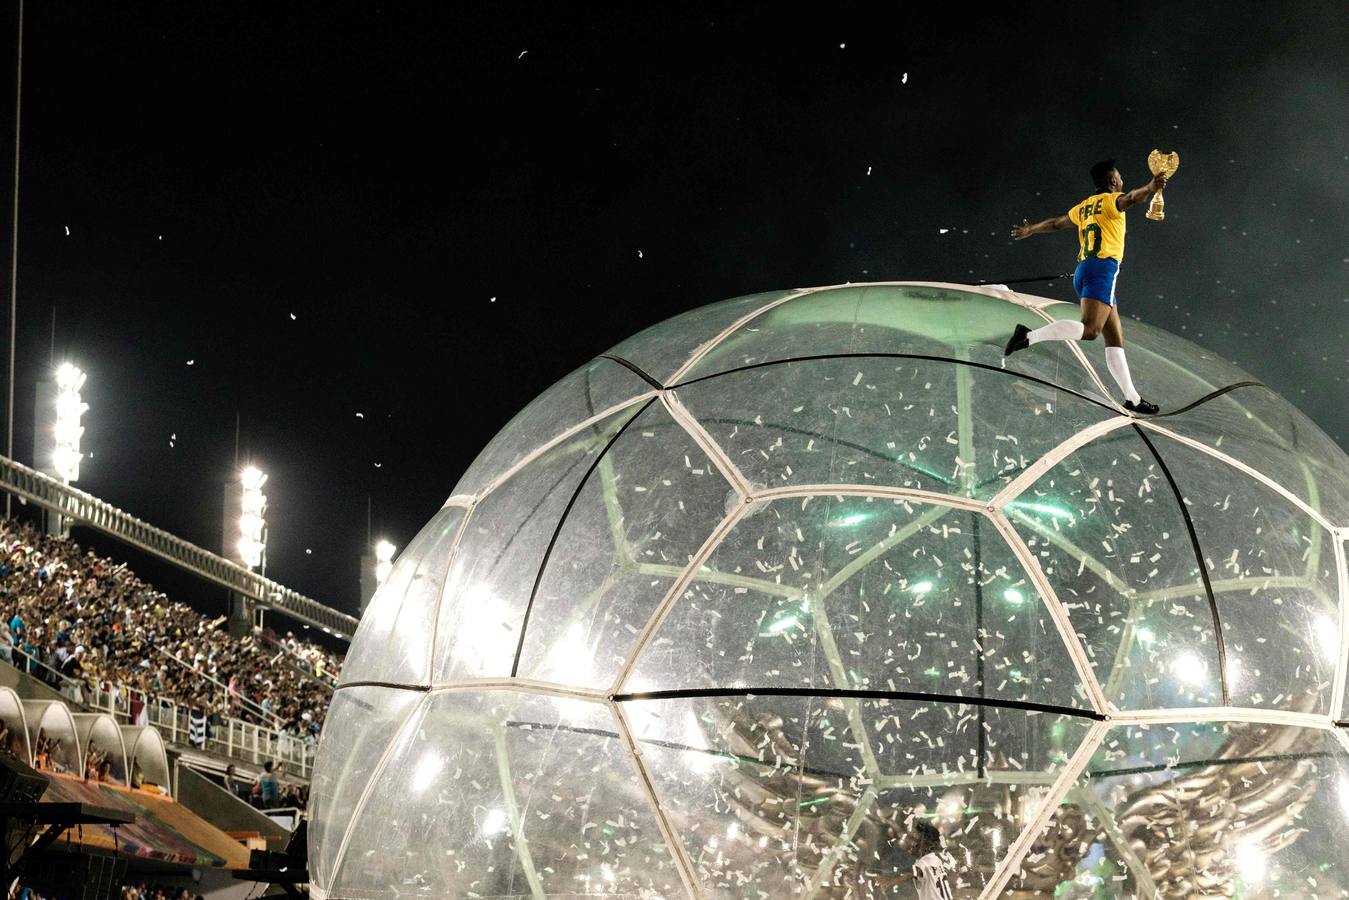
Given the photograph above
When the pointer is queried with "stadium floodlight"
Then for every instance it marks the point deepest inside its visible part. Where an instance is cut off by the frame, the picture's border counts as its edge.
(384, 552)
(252, 517)
(70, 407)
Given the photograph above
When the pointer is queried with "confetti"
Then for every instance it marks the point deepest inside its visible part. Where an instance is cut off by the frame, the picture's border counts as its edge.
(360, 415)
(904, 79)
(493, 300)
(639, 254)
(67, 231)
(942, 230)
(379, 465)
(292, 317)
(191, 362)
(522, 54)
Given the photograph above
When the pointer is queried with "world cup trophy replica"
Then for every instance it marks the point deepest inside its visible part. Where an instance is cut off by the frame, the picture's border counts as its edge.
(1160, 162)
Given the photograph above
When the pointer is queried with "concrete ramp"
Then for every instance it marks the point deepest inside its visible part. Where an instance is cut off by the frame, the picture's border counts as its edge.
(222, 809)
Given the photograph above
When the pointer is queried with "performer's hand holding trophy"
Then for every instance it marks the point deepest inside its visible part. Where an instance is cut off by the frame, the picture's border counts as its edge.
(1164, 164)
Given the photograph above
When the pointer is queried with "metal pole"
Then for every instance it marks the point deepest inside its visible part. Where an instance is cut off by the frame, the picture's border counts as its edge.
(14, 258)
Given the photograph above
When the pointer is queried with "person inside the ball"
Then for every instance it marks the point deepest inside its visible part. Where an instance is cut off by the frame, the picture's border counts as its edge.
(933, 867)
(1100, 224)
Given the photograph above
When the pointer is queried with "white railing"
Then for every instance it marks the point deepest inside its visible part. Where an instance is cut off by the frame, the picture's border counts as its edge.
(70, 688)
(230, 737)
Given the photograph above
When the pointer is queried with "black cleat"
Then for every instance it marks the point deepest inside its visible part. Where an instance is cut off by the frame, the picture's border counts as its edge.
(1017, 341)
(1142, 407)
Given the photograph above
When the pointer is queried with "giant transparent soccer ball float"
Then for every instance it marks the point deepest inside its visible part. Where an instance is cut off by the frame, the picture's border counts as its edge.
(729, 609)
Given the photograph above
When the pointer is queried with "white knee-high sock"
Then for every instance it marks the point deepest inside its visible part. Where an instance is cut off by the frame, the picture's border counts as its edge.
(1119, 367)
(1062, 330)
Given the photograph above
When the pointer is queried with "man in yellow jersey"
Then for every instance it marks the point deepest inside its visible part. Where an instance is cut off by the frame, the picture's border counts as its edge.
(1100, 225)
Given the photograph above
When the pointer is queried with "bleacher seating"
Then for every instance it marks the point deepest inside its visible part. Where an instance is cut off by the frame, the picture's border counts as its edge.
(93, 619)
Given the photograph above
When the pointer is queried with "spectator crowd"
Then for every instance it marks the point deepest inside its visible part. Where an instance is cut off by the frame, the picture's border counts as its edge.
(139, 890)
(94, 622)
(143, 890)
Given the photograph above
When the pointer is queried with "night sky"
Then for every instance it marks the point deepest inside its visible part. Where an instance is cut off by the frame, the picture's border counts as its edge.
(427, 214)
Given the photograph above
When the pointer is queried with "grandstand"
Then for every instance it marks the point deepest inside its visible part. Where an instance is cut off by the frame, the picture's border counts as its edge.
(90, 619)
(123, 695)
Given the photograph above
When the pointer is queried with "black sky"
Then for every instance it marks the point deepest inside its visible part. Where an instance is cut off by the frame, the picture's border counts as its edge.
(381, 171)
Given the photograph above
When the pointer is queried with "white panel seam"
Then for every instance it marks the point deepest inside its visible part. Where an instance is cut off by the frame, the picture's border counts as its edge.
(724, 528)
(444, 586)
(1241, 466)
(1222, 714)
(672, 841)
(1016, 298)
(1011, 864)
(1342, 663)
(558, 439)
(369, 788)
(1036, 470)
(879, 492)
(731, 329)
(522, 685)
(705, 442)
(1057, 611)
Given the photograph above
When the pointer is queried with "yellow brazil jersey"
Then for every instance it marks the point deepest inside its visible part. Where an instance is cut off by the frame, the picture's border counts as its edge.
(1100, 227)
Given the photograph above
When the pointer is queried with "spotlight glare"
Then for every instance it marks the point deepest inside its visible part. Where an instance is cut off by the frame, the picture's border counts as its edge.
(252, 517)
(67, 429)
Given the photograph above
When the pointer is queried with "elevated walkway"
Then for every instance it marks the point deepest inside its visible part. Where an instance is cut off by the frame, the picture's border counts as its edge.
(212, 802)
(86, 509)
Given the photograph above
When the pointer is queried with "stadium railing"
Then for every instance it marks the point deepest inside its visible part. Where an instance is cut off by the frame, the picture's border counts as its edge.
(230, 737)
(70, 688)
(86, 509)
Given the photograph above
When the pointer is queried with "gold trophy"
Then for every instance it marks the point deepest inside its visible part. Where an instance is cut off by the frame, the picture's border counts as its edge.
(1160, 162)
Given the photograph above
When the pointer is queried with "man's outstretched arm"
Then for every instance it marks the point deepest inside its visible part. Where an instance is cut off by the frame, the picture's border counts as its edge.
(1025, 229)
(1139, 194)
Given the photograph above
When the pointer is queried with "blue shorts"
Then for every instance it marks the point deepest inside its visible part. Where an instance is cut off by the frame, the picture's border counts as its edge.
(1095, 278)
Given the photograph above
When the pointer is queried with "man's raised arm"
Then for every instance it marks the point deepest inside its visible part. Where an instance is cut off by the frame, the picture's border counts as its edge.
(1025, 229)
(1139, 194)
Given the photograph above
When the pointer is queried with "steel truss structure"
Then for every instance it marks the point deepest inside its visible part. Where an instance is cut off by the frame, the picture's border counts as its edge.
(86, 509)
(1100, 708)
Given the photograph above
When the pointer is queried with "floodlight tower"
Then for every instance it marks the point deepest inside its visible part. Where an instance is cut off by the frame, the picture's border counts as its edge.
(252, 519)
(58, 430)
(375, 569)
(245, 537)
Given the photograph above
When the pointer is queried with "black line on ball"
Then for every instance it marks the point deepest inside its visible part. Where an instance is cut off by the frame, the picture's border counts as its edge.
(1199, 558)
